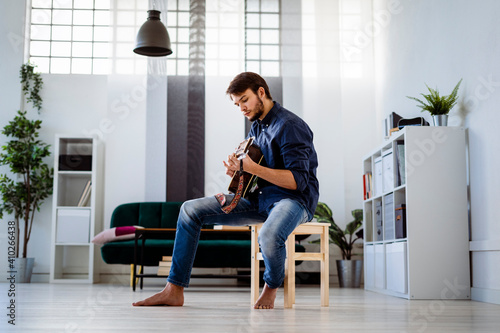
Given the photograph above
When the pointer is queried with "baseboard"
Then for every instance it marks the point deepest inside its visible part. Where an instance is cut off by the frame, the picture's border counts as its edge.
(40, 278)
(485, 295)
(485, 245)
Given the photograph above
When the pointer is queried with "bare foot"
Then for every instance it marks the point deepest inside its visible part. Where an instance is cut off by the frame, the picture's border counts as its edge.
(170, 295)
(266, 298)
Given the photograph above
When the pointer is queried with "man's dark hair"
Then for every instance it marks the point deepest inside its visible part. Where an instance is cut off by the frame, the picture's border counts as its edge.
(248, 80)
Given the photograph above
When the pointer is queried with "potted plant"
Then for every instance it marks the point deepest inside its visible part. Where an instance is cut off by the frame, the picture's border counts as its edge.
(32, 183)
(438, 106)
(349, 270)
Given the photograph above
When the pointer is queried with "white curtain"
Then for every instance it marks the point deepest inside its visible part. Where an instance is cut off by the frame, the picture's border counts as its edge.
(337, 93)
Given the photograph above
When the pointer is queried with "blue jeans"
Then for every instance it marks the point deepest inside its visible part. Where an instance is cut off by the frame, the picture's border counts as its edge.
(281, 219)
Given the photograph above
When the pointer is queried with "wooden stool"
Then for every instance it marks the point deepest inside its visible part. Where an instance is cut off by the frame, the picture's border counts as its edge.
(310, 228)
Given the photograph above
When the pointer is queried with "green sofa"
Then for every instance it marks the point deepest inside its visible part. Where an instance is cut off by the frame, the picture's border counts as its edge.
(215, 249)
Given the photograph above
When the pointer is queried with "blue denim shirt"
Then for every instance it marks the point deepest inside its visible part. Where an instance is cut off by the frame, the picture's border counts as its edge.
(286, 142)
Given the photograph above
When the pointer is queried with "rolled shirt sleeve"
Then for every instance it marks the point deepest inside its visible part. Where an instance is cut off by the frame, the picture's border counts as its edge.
(296, 150)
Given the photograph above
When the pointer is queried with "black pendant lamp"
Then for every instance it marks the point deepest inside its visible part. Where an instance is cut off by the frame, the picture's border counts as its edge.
(153, 39)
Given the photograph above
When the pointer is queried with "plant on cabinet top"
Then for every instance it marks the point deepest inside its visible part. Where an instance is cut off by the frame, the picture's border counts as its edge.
(436, 104)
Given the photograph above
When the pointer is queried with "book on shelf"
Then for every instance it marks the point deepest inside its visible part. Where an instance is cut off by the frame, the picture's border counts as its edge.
(387, 171)
(377, 177)
(388, 217)
(165, 263)
(367, 185)
(370, 186)
(85, 196)
(231, 227)
(379, 235)
(163, 271)
(86, 200)
(364, 187)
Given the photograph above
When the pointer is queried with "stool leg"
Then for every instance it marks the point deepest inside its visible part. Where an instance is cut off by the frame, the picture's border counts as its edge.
(290, 272)
(254, 278)
(325, 269)
(131, 274)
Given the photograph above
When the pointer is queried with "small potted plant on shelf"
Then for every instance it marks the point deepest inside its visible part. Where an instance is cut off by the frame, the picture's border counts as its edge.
(438, 106)
(24, 194)
(349, 270)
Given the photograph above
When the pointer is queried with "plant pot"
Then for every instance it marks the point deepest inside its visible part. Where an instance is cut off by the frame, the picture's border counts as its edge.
(440, 120)
(349, 272)
(23, 268)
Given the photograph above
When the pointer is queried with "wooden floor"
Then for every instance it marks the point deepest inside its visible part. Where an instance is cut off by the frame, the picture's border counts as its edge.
(107, 308)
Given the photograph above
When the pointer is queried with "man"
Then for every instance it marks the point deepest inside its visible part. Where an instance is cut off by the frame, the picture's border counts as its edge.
(286, 197)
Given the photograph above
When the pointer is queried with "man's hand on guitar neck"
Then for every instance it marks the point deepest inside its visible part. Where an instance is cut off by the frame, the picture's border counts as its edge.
(282, 178)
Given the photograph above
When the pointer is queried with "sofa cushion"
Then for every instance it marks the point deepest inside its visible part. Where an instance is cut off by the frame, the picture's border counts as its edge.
(125, 215)
(169, 214)
(115, 234)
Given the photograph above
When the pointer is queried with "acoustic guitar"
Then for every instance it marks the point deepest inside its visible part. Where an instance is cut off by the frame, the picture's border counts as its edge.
(247, 147)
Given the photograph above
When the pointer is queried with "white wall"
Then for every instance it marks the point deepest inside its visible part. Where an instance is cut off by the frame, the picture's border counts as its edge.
(438, 43)
(224, 129)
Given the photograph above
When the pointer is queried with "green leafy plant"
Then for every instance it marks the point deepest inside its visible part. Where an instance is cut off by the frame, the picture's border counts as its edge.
(24, 156)
(344, 239)
(31, 83)
(436, 104)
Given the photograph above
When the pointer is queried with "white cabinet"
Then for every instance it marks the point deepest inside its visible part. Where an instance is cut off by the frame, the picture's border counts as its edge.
(379, 266)
(369, 255)
(395, 257)
(75, 213)
(73, 226)
(416, 228)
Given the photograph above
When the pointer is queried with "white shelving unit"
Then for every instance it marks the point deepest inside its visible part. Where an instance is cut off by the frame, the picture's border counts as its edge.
(425, 170)
(75, 220)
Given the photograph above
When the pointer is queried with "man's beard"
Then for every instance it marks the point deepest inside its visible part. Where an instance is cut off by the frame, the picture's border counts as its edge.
(259, 110)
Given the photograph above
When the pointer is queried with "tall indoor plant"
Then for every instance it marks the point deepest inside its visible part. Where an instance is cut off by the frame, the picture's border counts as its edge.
(32, 183)
(349, 270)
(438, 106)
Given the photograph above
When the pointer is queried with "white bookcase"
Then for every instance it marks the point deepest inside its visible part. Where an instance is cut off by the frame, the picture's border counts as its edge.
(75, 216)
(423, 168)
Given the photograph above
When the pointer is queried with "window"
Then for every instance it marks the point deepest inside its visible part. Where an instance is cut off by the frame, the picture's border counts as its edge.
(262, 37)
(70, 36)
(178, 30)
(82, 37)
(224, 46)
(127, 17)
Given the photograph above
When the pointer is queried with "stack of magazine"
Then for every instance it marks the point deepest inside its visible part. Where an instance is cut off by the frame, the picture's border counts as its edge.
(164, 266)
(85, 196)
